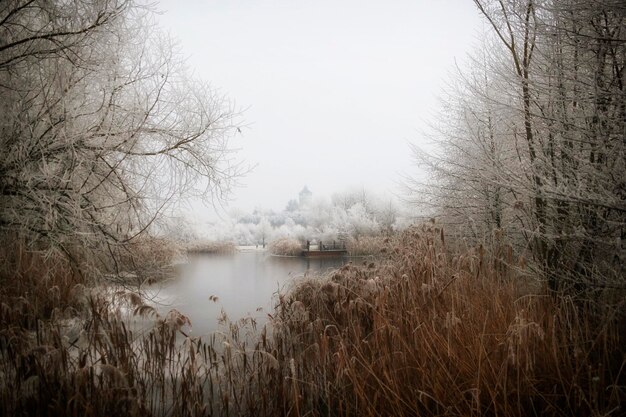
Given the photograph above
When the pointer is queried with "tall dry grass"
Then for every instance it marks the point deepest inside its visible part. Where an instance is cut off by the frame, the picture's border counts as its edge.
(431, 332)
(211, 247)
(426, 331)
(36, 286)
(286, 246)
(366, 245)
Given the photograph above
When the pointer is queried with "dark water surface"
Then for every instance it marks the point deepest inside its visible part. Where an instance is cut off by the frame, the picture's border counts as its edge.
(243, 282)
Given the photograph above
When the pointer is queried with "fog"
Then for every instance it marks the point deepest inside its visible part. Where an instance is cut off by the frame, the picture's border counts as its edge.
(331, 92)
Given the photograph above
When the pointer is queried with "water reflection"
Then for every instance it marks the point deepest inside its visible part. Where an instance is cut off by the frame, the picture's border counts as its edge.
(243, 283)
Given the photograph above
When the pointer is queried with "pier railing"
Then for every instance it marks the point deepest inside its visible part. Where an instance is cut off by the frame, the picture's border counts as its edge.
(321, 246)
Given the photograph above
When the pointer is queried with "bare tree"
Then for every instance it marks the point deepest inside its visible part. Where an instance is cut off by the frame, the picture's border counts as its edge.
(538, 146)
(102, 128)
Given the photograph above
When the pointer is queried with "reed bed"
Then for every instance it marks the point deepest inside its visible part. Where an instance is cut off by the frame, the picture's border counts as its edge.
(211, 247)
(286, 246)
(423, 331)
(366, 245)
(430, 332)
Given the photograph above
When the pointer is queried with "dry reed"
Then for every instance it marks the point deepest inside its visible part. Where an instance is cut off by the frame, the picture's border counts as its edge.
(285, 246)
(366, 245)
(211, 247)
(425, 331)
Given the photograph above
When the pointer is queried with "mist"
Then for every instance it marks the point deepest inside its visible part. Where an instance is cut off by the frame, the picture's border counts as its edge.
(332, 93)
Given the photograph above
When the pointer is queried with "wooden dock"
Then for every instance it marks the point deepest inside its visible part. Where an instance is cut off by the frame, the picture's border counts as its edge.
(328, 253)
(322, 250)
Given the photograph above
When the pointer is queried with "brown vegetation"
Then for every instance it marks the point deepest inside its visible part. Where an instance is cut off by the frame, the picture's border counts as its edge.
(286, 247)
(428, 331)
(211, 247)
(366, 245)
(149, 259)
(438, 333)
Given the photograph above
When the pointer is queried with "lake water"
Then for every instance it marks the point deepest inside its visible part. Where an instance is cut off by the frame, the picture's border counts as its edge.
(244, 284)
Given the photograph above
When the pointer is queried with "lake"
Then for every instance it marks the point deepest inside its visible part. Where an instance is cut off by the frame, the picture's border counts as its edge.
(244, 283)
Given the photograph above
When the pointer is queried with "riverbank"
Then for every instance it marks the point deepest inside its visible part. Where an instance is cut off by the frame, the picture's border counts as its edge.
(207, 247)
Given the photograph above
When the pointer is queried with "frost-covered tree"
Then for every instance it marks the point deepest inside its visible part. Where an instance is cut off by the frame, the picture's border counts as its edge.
(360, 223)
(475, 165)
(101, 126)
(535, 144)
(263, 231)
(329, 220)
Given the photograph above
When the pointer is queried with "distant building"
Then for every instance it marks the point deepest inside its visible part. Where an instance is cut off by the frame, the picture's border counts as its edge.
(305, 196)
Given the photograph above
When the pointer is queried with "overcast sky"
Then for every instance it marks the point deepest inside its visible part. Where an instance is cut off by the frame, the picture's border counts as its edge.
(333, 90)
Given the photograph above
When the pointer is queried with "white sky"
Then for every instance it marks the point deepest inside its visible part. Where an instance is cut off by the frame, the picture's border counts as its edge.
(334, 90)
